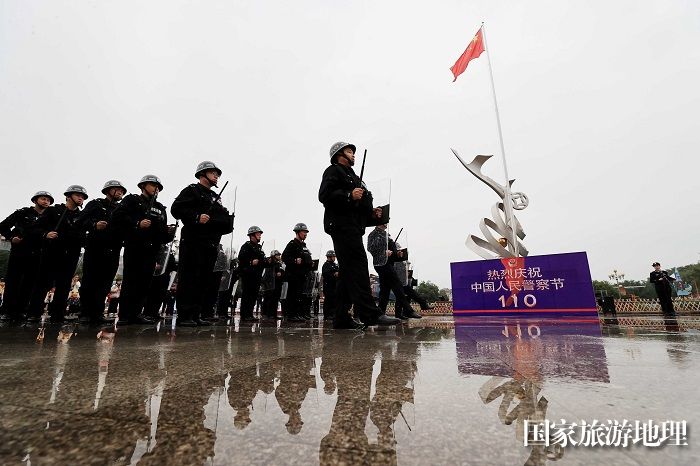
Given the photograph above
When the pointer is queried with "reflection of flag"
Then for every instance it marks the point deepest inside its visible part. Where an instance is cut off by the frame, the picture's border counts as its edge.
(476, 46)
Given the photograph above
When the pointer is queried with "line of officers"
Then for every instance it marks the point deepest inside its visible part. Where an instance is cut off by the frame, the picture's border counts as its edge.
(47, 240)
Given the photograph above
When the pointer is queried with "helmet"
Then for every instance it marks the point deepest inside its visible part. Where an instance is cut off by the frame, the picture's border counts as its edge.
(339, 146)
(204, 166)
(42, 193)
(112, 184)
(330, 253)
(300, 227)
(76, 189)
(150, 179)
(275, 252)
(254, 229)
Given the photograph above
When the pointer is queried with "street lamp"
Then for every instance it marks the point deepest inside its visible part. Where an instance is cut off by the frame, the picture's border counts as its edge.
(617, 277)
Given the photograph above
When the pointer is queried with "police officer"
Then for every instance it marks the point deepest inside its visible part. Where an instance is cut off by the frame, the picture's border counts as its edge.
(226, 296)
(662, 282)
(103, 246)
(251, 263)
(63, 239)
(273, 291)
(385, 254)
(329, 271)
(298, 264)
(348, 211)
(20, 228)
(204, 221)
(143, 223)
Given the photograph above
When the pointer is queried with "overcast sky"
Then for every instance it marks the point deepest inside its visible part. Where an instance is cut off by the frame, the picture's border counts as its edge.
(598, 100)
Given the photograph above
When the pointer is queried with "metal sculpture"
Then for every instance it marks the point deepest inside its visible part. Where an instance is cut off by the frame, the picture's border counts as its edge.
(502, 221)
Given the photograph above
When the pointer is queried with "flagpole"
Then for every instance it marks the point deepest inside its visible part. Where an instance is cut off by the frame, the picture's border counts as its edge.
(508, 201)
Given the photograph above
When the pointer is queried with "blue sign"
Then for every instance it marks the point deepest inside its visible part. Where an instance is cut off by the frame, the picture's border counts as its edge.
(554, 283)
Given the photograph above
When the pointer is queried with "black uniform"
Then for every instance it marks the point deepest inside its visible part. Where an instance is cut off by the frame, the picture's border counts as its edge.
(412, 294)
(272, 285)
(662, 282)
(298, 302)
(24, 259)
(250, 275)
(59, 259)
(101, 259)
(226, 296)
(329, 288)
(141, 247)
(388, 280)
(345, 220)
(199, 247)
(159, 287)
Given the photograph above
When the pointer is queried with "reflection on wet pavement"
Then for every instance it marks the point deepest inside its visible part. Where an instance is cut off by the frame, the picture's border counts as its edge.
(436, 392)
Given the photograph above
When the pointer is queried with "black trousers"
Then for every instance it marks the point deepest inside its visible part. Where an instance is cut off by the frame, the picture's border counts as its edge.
(156, 295)
(195, 277)
(211, 296)
(389, 281)
(330, 301)
(100, 264)
(58, 264)
(22, 266)
(271, 300)
(412, 294)
(353, 284)
(224, 302)
(251, 286)
(139, 264)
(294, 304)
(666, 302)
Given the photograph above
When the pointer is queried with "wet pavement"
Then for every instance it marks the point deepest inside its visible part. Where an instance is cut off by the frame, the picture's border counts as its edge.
(432, 392)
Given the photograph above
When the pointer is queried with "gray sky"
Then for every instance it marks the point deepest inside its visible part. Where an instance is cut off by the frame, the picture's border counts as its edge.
(598, 100)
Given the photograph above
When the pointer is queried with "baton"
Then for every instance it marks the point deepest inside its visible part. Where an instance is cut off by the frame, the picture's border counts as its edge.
(60, 219)
(362, 170)
(397, 236)
(217, 197)
(233, 220)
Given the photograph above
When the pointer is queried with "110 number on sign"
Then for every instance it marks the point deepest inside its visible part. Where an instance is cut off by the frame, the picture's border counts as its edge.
(529, 300)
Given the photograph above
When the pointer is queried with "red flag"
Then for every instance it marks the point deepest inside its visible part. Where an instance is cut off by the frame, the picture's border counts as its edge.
(476, 46)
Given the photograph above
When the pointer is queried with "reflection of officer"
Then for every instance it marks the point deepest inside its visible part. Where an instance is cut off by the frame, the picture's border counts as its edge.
(143, 223)
(662, 282)
(348, 210)
(391, 392)
(272, 294)
(102, 249)
(20, 228)
(295, 382)
(204, 220)
(330, 280)
(298, 264)
(63, 240)
(242, 389)
(177, 417)
(251, 263)
(346, 441)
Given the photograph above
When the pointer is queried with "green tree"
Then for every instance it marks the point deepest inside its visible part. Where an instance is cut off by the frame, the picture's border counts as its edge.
(604, 288)
(445, 294)
(429, 291)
